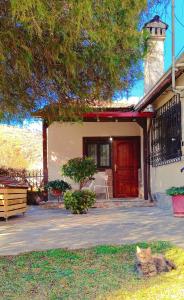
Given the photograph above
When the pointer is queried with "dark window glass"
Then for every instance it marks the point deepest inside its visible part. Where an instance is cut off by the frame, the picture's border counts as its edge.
(92, 151)
(100, 150)
(104, 155)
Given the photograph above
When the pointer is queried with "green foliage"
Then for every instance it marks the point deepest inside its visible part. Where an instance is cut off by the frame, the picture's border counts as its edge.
(60, 185)
(80, 170)
(79, 201)
(67, 52)
(175, 191)
(102, 272)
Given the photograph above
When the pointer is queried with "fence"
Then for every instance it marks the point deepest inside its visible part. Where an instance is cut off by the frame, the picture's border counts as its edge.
(34, 178)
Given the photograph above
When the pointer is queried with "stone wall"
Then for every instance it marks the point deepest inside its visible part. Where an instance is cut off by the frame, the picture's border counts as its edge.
(110, 182)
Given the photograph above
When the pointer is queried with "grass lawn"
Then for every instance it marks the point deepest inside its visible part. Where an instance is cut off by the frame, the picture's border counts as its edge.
(102, 272)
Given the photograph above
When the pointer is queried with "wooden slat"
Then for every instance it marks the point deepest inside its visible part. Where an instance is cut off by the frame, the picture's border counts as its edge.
(17, 206)
(15, 201)
(2, 214)
(14, 196)
(2, 208)
(13, 190)
(15, 212)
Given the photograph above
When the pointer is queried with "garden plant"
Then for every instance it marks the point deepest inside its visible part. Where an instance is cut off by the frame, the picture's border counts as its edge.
(80, 170)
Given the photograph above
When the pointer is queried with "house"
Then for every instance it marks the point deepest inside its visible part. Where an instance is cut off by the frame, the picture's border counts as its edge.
(139, 147)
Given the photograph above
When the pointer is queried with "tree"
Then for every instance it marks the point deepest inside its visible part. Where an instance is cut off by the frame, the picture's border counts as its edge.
(15, 159)
(67, 52)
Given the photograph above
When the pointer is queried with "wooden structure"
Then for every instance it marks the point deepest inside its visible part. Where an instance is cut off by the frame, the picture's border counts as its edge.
(13, 197)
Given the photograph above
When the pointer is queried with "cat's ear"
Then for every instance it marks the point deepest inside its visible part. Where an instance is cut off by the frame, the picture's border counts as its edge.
(148, 250)
(138, 249)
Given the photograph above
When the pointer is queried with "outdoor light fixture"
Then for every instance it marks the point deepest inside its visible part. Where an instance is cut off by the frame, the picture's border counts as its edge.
(98, 119)
(110, 139)
(116, 120)
(150, 108)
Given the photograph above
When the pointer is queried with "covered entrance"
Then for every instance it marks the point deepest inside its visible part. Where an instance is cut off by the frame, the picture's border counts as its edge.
(113, 139)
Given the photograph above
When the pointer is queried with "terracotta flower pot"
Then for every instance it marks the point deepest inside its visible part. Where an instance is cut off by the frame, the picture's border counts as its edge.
(57, 193)
(178, 205)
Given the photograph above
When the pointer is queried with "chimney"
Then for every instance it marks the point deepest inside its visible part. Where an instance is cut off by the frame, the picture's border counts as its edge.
(154, 61)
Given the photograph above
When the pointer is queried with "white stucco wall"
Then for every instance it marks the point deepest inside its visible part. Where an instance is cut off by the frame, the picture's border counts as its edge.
(153, 63)
(163, 177)
(65, 140)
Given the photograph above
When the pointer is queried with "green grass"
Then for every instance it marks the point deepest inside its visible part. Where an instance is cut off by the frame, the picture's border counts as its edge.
(103, 272)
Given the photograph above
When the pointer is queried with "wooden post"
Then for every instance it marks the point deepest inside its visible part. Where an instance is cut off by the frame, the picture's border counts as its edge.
(45, 167)
(143, 124)
(145, 159)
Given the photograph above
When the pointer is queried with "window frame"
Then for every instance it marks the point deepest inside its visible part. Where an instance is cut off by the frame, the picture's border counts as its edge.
(98, 141)
(162, 151)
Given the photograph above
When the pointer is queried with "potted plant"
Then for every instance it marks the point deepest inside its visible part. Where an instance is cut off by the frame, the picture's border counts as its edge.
(57, 187)
(177, 194)
(80, 170)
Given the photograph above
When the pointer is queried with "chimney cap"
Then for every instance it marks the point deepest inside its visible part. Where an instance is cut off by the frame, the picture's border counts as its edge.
(156, 22)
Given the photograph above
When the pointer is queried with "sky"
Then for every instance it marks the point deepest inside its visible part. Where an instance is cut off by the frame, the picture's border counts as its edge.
(165, 14)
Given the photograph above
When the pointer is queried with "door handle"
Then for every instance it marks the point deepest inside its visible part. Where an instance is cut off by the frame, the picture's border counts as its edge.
(115, 167)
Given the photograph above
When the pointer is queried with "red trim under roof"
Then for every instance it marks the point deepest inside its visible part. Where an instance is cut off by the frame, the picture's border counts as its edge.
(118, 114)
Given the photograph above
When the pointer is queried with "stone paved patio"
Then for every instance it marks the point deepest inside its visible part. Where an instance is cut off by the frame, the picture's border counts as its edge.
(56, 228)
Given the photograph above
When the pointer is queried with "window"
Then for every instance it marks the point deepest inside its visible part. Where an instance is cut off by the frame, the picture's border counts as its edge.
(99, 149)
(166, 133)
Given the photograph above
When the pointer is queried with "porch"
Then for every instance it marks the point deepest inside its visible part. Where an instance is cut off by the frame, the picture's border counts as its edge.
(118, 142)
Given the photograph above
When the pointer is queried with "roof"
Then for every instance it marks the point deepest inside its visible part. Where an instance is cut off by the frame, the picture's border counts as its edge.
(6, 181)
(103, 106)
(162, 84)
(156, 22)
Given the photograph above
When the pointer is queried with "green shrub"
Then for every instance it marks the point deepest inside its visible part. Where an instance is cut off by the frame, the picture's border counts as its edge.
(80, 170)
(175, 191)
(79, 201)
(60, 185)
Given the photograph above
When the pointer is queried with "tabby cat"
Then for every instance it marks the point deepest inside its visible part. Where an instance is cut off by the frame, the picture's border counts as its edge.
(149, 265)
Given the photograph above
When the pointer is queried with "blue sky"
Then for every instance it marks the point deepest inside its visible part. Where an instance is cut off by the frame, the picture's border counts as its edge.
(165, 15)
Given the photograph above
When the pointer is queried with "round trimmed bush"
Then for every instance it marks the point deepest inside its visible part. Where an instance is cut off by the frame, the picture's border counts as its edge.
(78, 202)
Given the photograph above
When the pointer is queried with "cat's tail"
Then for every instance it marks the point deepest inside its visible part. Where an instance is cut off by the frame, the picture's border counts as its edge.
(170, 264)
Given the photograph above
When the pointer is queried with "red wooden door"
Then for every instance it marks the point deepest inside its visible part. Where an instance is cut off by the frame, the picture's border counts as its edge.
(126, 161)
